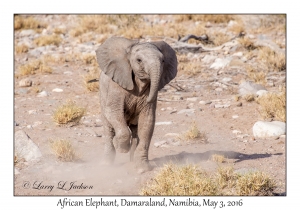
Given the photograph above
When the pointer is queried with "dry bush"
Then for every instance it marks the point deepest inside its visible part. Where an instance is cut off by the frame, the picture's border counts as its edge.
(258, 77)
(180, 180)
(190, 68)
(21, 48)
(270, 23)
(22, 22)
(238, 27)
(218, 38)
(207, 18)
(63, 150)
(60, 30)
(48, 40)
(91, 80)
(35, 66)
(218, 158)
(89, 58)
(247, 43)
(193, 134)
(68, 113)
(255, 183)
(273, 105)
(249, 97)
(189, 180)
(272, 60)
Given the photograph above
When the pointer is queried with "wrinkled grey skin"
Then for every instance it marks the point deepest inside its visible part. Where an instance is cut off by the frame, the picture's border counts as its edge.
(132, 74)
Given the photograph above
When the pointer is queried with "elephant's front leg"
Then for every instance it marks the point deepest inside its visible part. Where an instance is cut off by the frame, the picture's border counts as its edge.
(122, 136)
(109, 148)
(145, 131)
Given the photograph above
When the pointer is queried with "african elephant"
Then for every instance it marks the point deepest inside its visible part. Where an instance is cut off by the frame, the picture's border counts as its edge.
(132, 74)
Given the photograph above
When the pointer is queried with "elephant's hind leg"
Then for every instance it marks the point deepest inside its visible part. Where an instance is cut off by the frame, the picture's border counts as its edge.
(134, 141)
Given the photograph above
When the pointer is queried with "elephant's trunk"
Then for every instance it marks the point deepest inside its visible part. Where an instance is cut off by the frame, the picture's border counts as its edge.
(155, 74)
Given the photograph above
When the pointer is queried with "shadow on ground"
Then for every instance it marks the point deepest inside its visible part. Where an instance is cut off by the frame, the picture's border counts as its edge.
(185, 157)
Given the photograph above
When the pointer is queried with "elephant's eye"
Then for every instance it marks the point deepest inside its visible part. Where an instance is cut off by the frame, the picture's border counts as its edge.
(139, 60)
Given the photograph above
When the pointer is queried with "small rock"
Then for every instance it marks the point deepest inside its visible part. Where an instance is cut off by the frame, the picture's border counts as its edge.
(160, 143)
(42, 94)
(186, 111)
(163, 109)
(25, 82)
(268, 129)
(173, 111)
(68, 72)
(239, 104)
(212, 105)
(169, 108)
(29, 126)
(29, 32)
(58, 90)
(32, 112)
(260, 93)
(205, 102)
(192, 99)
(177, 98)
(220, 63)
(172, 134)
(25, 147)
(238, 54)
(219, 106)
(163, 123)
(247, 87)
(226, 79)
(16, 124)
(190, 105)
(236, 132)
(17, 171)
(200, 109)
(235, 116)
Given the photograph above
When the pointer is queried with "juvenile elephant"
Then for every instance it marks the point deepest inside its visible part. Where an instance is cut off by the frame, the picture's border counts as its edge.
(132, 74)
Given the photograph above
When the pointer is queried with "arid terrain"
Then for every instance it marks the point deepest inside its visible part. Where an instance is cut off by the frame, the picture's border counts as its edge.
(55, 59)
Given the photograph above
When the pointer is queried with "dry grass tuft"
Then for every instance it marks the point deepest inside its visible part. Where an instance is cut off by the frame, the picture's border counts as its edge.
(22, 48)
(247, 43)
(35, 66)
(48, 40)
(273, 105)
(255, 183)
(91, 80)
(249, 97)
(89, 58)
(205, 18)
(60, 30)
(189, 180)
(218, 158)
(258, 77)
(180, 180)
(272, 60)
(22, 22)
(218, 38)
(238, 27)
(68, 113)
(63, 150)
(194, 134)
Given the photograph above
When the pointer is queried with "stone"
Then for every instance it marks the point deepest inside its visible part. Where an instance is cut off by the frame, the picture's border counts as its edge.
(209, 59)
(238, 54)
(172, 134)
(163, 109)
(21, 91)
(25, 82)
(177, 98)
(57, 90)
(42, 94)
(205, 102)
(226, 79)
(68, 72)
(263, 129)
(159, 143)
(260, 93)
(186, 111)
(32, 112)
(239, 104)
(235, 116)
(192, 99)
(190, 105)
(25, 147)
(163, 123)
(247, 87)
(29, 32)
(236, 132)
(220, 63)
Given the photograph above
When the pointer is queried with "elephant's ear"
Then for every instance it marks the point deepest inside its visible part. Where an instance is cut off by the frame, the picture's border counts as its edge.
(113, 61)
(170, 63)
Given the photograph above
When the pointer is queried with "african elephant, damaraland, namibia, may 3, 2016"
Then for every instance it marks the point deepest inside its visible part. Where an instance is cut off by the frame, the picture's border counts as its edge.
(132, 74)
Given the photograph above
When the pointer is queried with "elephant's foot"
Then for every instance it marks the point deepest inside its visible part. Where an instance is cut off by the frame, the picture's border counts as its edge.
(123, 147)
(143, 166)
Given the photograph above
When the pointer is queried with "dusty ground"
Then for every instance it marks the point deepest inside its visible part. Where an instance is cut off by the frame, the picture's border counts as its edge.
(243, 153)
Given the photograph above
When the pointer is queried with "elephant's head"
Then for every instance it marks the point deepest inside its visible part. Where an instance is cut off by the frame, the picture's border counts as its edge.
(153, 62)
